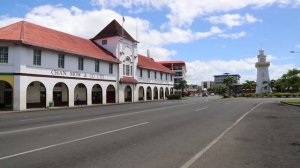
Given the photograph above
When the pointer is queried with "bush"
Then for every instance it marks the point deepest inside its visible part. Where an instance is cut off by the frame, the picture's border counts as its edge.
(174, 97)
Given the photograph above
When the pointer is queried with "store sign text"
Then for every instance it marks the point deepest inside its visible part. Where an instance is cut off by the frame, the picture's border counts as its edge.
(56, 72)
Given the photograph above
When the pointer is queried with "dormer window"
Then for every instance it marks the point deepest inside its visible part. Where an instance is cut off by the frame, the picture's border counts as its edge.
(104, 42)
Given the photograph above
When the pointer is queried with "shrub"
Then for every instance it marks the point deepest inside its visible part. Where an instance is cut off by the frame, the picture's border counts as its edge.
(278, 95)
(174, 97)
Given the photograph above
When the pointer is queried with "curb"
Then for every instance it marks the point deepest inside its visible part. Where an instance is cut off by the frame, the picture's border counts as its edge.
(297, 105)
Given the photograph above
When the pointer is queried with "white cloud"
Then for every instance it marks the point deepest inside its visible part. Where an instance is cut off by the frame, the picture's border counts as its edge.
(297, 45)
(213, 31)
(232, 20)
(233, 35)
(85, 23)
(200, 70)
(182, 14)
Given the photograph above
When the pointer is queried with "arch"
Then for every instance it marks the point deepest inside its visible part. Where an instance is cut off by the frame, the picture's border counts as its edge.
(6, 95)
(155, 93)
(60, 94)
(36, 95)
(167, 92)
(149, 93)
(128, 94)
(141, 93)
(111, 94)
(97, 96)
(80, 94)
(161, 93)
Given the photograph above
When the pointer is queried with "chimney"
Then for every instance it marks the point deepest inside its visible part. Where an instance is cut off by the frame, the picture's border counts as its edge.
(148, 53)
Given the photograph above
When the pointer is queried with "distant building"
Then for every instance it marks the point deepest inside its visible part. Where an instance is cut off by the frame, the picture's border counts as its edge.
(178, 67)
(262, 80)
(219, 79)
(207, 84)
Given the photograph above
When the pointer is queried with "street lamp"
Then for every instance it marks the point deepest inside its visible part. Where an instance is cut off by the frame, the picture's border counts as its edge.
(295, 52)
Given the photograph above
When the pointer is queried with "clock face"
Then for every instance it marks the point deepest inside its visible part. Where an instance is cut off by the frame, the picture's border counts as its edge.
(262, 59)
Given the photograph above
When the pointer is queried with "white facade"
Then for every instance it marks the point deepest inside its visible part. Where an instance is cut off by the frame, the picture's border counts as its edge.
(39, 86)
(207, 84)
(263, 79)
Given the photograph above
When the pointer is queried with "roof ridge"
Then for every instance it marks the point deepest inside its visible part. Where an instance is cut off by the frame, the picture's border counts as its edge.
(22, 31)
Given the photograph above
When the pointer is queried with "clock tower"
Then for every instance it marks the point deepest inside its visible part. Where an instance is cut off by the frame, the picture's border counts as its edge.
(262, 79)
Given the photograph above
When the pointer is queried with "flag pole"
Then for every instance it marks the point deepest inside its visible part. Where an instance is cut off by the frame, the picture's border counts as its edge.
(123, 20)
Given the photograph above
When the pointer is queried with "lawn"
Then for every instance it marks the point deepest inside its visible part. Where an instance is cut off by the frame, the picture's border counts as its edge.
(292, 101)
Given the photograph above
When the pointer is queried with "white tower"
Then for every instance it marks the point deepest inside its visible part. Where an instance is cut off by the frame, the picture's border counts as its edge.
(262, 79)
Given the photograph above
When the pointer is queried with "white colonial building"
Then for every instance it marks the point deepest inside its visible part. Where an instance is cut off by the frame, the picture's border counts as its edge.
(41, 67)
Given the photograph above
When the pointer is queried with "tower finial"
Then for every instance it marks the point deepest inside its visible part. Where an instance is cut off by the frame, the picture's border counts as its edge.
(261, 51)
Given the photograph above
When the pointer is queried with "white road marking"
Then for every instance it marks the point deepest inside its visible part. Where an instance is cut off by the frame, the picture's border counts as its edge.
(202, 109)
(31, 119)
(227, 103)
(87, 120)
(75, 140)
(212, 143)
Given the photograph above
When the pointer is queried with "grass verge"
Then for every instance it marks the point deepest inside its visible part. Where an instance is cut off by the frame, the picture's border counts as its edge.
(292, 101)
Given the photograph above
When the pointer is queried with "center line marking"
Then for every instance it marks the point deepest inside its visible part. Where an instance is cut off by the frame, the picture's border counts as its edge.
(75, 140)
(87, 120)
(202, 109)
(212, 143)
(30, 119)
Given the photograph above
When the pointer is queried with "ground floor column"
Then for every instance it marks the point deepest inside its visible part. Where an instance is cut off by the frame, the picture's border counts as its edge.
(19, 94)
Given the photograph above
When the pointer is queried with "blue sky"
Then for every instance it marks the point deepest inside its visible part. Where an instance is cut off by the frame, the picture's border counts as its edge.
(212, 37)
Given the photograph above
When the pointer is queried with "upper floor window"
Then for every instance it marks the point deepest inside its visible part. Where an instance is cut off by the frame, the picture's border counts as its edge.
(37, 54)
(127, 70)
(96, 66)
(166, 76)
(104, 42)
(127, 67)
(111, 66)
(148, 73)
(141, 73)
(61, 61)
(3, 54)
(161, 74)
(155, 75)
(171, 77)
(80, 64)
(124, 69)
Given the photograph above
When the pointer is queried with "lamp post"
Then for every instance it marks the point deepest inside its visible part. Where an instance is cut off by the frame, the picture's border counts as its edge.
(294, 52)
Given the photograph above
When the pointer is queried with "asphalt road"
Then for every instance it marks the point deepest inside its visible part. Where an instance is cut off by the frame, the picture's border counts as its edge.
(198, 132)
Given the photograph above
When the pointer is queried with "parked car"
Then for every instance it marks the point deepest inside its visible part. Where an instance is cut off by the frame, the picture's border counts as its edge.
(204, 95)
(211, 94)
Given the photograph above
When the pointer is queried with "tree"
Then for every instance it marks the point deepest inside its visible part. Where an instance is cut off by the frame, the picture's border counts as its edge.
(181, 86)
(249, 85)
(269, 84)
(289, 82)
(229, 81)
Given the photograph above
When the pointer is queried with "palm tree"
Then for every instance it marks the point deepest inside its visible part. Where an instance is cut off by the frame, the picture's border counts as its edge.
(268, 85)
(249, 85)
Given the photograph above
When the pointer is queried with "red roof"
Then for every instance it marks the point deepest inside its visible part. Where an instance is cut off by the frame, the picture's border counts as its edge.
(126, 79)
(35, 35)
(172, 62)
(149, 63)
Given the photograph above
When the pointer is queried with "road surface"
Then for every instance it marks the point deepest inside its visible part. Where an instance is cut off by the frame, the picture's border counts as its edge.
(197, 132)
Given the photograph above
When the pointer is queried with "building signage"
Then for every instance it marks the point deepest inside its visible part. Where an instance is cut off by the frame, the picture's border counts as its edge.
(58, 72)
